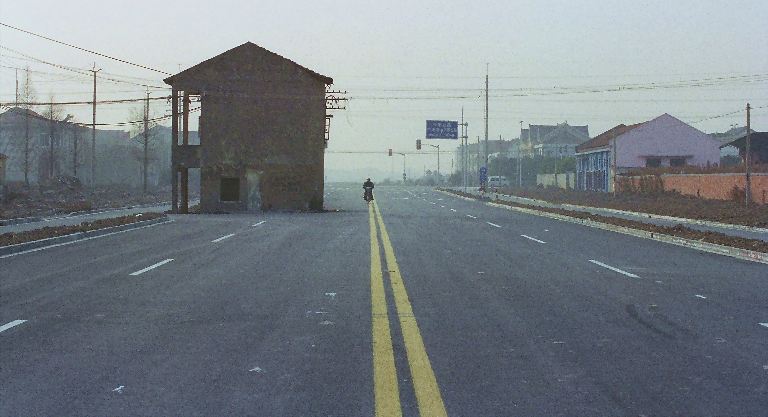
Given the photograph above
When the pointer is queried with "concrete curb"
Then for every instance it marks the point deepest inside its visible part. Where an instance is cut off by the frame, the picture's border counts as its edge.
(74, 237)
(20, 220)
(639, 214)
(743, 254)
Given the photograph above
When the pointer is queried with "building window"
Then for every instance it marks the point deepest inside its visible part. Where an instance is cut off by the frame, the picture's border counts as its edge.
(230, 189)
(652, 162)
(677, 162)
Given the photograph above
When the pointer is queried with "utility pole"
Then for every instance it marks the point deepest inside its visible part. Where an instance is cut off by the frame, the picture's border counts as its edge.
(75, 139)
(477, 160)
(52, 133)
(486, 115)
(146, 143)
(16, 103)
(465, 148)
(614, 163)
(93, 129)
(519, 160)
(747, 163)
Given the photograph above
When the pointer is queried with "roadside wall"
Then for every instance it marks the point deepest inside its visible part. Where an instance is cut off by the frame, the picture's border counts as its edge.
(714, 186)
(564, 180)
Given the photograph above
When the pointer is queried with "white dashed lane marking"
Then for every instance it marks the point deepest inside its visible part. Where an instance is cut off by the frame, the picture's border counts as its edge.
(222, 238)
(151, 267)
(14, 323)
(533, 239)
(613, 268)
(493, 224)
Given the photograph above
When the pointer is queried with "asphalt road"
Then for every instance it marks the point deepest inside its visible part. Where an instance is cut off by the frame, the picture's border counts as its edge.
(435, 305)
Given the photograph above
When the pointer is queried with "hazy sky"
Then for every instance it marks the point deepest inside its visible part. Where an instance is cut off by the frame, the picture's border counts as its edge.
(403, 61)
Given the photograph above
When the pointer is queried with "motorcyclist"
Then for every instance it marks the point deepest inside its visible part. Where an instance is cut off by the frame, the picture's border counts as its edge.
(368, 187)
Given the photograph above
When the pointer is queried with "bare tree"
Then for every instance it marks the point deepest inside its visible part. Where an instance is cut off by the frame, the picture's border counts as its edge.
(146, 138)
(53, 114)
(26, 98)
(75, 148)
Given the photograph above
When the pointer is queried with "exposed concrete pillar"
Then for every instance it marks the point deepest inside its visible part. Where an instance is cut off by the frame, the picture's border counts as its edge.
(184, 190)
(174, 147)
(175, 188)
(185, 142)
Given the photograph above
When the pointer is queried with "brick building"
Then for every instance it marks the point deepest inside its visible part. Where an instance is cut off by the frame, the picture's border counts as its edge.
(662, 142)
(261, 132)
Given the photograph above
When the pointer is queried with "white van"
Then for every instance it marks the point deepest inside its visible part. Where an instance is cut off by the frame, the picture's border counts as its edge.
(496, 181)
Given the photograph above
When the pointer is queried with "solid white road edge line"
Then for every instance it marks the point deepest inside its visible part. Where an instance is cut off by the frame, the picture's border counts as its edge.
(533, 239)
(493, 224)
(11, 324)
(151, 267)
(613, 268)
(222, 238)
(259, 223)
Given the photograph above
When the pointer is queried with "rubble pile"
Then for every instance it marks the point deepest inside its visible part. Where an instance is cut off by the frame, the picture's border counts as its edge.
(66, 195)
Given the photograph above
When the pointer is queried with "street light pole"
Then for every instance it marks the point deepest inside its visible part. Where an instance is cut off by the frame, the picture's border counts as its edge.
(438, 160)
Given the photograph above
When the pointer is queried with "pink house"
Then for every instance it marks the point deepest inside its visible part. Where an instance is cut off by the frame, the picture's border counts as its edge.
(663, 141)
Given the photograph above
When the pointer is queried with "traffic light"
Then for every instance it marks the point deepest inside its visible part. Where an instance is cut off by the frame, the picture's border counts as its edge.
(418, 144)
(390, 152)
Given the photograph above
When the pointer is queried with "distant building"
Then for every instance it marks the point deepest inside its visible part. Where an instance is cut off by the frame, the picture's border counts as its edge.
(72, 149)
(758, 147)
(726, 137)
(663, 141)
(475, 152)
(262, 132)
(558, 141)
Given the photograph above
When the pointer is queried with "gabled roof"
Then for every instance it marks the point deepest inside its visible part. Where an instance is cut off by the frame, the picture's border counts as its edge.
(21, 112)
(757, 140)
(603, 140)
(248, 47)
(549, 133)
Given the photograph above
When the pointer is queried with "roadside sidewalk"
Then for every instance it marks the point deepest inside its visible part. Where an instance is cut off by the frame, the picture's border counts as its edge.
(659, 220)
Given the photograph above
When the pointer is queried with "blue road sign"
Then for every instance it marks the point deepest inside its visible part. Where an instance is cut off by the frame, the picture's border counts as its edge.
(442, 129)
(483, 175)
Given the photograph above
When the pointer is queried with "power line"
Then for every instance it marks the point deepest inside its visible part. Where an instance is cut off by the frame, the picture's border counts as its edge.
(72, 103)
(81, 71)
(84, 49)
(134, 122)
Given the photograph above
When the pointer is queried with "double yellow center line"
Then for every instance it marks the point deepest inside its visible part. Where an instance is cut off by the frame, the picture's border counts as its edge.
(385, 385)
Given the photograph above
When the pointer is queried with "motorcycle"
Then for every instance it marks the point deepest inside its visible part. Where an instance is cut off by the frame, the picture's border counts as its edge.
(368, 194)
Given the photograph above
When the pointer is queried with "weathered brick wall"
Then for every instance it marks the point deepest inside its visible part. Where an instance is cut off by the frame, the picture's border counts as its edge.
(714, 186)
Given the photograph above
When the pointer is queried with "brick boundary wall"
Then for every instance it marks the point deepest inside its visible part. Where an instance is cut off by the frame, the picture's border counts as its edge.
(714, 186)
